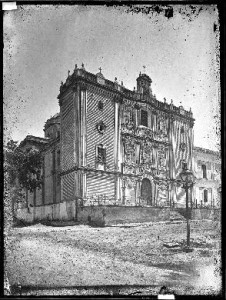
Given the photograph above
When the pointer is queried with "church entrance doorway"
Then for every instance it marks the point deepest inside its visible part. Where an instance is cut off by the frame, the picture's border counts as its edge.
(146, 191)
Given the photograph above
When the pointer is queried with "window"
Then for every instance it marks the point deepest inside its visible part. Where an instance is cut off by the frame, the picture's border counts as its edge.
(100, 105)
(204, 171)
(137, 155)
(182, 130)
(184, 165)
(144, 118)
(100, 157)
(205, 195)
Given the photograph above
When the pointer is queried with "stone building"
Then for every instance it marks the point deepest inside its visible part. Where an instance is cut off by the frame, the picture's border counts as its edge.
(207, 170)
(110, 146)
(120, 146)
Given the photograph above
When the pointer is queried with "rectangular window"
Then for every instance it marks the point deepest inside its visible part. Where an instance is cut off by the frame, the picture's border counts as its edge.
(204, 171)
(100, 157)
(205, 195)
(183, 165)
(144, 118)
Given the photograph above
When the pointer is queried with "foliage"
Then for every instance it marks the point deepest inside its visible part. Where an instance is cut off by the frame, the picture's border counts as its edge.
(23, 166)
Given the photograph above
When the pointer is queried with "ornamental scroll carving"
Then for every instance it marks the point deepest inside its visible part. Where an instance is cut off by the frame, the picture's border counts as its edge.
(148, 156)
(129, 150)
(162, 124)
(130, 182)
(162, 160)
(127, 114)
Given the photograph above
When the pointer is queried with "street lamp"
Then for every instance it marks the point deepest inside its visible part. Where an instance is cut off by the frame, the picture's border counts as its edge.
(188, 180)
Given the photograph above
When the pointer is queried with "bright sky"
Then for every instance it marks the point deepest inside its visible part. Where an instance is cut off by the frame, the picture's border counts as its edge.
(41, 43)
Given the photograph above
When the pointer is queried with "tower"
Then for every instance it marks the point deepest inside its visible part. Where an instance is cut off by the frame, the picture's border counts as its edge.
(144, 84)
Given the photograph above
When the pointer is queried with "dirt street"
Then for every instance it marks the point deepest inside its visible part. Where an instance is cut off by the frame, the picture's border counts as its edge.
(53, 257)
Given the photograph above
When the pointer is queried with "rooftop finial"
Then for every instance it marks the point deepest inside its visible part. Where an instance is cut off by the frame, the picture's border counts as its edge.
(100, 69)
(68, 73)
(164, 99)
(172, 101)
(83, 66)
(76, 66)
(144, 69)
(115, 78)
(121, 82)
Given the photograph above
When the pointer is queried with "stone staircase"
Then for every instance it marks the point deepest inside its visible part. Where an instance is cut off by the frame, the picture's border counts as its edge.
(176, 217)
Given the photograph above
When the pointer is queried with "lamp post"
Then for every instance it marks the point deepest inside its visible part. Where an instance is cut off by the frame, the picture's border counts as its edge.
(188, 180)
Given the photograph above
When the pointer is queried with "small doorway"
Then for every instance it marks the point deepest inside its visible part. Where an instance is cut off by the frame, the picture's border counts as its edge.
(146, 191)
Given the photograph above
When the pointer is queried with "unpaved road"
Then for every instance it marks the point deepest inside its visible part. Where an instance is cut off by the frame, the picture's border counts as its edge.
(83, 256)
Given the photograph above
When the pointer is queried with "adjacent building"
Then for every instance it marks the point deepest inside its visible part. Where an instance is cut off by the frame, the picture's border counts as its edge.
(207, 169)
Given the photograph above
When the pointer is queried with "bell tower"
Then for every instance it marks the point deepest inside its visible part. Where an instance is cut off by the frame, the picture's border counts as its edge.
(144, 84)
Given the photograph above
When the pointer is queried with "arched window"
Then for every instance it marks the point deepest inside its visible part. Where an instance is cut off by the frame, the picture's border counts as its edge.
(146, 191)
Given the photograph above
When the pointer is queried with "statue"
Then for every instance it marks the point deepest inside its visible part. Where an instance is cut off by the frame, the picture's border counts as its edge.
(61, 86)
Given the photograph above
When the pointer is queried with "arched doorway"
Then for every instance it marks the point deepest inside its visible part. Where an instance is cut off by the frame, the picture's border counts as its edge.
(146, 191)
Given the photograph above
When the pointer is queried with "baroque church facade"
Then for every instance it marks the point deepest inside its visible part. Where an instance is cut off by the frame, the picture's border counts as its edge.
(111, 146)
(120, 146)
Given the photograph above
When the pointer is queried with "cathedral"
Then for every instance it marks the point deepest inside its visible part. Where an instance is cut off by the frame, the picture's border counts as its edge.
(110, 146)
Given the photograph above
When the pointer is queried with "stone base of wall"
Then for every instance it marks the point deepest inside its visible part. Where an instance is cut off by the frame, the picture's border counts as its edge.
(205, 214)
(112, 215)
(61, 211)
(94, 215)
(106, 215)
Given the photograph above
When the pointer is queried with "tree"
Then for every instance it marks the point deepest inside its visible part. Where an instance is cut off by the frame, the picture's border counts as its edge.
(22, 169)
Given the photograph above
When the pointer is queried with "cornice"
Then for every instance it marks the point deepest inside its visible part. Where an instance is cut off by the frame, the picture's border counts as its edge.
(84, 79)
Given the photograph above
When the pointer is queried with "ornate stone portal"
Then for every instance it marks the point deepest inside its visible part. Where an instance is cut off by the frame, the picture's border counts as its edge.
(145, 156)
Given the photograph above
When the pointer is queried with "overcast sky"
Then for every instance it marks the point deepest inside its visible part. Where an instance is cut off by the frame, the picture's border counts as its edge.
(41, 43)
